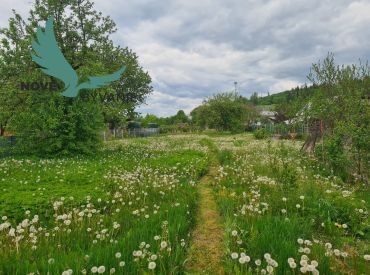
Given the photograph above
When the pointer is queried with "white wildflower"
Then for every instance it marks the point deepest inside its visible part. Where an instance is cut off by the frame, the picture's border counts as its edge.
(152, 265)
(234, 255)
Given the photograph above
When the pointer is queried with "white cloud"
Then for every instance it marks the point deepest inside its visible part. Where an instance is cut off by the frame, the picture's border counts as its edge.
(282, 85)
(195, 48)
(21, 6)
(163, 104)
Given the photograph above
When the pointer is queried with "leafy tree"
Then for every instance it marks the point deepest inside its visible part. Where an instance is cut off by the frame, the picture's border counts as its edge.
(13, 58)
(341, 104)
(83, 35)
(289, 96)
(180, 117)
(150, 118)
(223, 111)
(254, 98)
(50, 126)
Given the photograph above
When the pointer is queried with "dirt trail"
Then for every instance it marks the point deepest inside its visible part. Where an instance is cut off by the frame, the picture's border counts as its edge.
(206, 250)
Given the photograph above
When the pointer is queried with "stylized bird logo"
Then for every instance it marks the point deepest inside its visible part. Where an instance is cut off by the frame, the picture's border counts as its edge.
(53, 63)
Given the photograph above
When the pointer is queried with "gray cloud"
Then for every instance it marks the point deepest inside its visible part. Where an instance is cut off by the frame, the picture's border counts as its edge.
(193, 49)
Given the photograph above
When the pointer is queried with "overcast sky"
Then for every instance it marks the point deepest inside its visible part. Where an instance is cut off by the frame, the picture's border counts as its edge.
(195, 48)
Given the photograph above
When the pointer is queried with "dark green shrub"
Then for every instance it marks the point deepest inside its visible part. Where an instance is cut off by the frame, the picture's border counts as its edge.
(55, 125)
(260, 133)
(287, 175)
(167, 129)
(332, 154)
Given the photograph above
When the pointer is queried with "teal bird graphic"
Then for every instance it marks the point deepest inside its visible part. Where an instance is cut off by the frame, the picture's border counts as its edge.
(53, 63)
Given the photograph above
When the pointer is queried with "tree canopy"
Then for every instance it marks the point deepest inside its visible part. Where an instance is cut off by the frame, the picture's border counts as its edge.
(83, 35)
(224, 111)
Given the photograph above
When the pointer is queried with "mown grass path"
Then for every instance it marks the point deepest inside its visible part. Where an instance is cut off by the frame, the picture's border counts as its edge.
(206, 250)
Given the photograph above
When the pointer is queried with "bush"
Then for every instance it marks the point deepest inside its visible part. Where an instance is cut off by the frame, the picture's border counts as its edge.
(223, 112)
(282, 168)
(332, 154)
(260, 133)
(167, 129)
(287, 175)
(58, 126)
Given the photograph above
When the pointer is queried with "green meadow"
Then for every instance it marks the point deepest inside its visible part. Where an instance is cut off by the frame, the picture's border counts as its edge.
(132, 209)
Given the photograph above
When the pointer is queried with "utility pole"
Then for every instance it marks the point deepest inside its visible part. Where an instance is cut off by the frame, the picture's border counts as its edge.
(236, 86)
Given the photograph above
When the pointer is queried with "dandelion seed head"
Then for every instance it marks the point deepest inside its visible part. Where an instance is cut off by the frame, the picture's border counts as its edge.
(101, 269)
(51, 261)
(304, 257)
(152, 265)
(270, 269)
(163, 244)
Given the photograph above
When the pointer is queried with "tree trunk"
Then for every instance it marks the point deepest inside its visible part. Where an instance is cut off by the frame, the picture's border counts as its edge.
(313, 135)
(2, 130)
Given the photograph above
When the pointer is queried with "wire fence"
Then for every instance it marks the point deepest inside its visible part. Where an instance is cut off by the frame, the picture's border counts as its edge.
(283, 129)
(7, 145)
(121, 133)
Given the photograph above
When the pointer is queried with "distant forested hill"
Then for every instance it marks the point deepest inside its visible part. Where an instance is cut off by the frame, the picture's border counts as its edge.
(287, 96)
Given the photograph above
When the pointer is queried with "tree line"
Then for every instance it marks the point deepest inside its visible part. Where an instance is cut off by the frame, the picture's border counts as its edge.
(226, 111)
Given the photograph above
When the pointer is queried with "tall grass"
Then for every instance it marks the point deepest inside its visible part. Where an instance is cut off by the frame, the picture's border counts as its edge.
(127, 210)
(286, 215)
